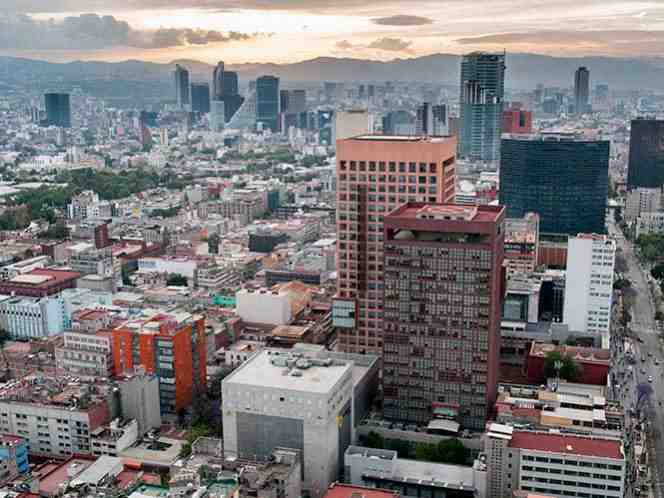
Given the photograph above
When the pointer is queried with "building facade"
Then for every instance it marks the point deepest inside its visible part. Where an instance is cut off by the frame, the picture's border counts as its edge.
(442, 307)
(13, 457)
(642, 200)
(649, 223)
(481, 105)
(58, 110)
(517, 121)
(581, 90)
(267, 102)
(646, 154)
(33, 317)
(87, 354)
(182, 89)
(564, 179)
(589, 286)
(200, 97)
(522, 243)
(376, 174)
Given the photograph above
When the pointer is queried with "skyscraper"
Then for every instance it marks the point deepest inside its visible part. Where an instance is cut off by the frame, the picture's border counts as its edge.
(646, 154)
(217, 116)
(563, 178)
(218, 81)
(267, 102)
(441, 314)
(431, 120)
(581, 90)
(58, 110)
(231, 86)
(376, 174)
(284, 100)
(181, 86)
(200, 97)
(481, 105)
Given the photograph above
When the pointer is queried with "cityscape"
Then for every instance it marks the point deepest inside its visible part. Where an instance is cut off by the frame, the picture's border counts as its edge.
(380, 272)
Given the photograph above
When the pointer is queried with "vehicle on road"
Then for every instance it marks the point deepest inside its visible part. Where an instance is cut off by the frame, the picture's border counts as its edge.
(656, 362)
(643, 371)
(649, 378)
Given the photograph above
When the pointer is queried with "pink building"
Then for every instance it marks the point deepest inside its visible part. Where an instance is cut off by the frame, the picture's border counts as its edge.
(375, 175)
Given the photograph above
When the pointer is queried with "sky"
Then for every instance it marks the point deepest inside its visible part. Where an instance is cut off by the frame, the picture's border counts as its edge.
(280, 31)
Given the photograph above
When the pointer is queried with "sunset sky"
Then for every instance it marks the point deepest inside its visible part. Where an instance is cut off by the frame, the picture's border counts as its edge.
(292, 30)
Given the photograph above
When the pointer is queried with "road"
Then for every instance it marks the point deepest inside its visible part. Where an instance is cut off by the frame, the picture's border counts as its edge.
(649, 348)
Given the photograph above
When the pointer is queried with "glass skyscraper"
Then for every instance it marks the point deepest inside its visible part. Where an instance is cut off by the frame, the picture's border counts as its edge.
(58, 110)
(563, 178)
(181, 76)
(200, 97)
(646, 154)
(267, 102)
(481, 105)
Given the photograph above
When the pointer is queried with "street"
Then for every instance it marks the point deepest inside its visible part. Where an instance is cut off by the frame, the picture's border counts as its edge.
(647, 347)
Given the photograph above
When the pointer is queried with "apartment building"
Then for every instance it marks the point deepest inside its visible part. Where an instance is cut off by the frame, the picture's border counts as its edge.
(522, 243)
(375, 175)
(442, 307)
(84, 353)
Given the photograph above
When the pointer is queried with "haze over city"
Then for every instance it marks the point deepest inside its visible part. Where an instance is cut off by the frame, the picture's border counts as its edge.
(293, 30)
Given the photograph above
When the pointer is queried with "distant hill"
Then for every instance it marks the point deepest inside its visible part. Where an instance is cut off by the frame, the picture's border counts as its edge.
(524, 71)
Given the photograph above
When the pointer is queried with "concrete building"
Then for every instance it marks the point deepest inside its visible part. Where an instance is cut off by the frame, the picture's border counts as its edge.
(276, 306)
(649, 223)
(182, 266)
(642, 200)
(553, 463)
(112, 439)
(182, 88)
(441, 312)
(517, 121)
(8, 272)
(168, 345)
(87, 354)
(589, 286)
(88, 260)
(54, 416)
(376, 174)
(139, 400)
(383, 469)
(39, 282)
(307, 398)
(33, 317)
(582, 90)
(646, 156)
(217, 116)
(351, 123)
(522, 243)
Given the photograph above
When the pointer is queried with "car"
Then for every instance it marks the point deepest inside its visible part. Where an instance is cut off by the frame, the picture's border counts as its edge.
(649, 378)
(643, 371)
(640, 340)
(656, 362)
(643, 359)
(649, 354)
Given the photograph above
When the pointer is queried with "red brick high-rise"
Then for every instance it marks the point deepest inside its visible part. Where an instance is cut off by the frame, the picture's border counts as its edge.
(442, 307)
(375, 175)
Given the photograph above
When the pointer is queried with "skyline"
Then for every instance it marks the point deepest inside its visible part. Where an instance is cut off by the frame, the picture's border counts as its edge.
(285, 31)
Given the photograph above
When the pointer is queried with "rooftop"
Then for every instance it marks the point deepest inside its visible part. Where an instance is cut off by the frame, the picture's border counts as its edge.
(280, 369)
(572, 445)
(349, 491)
(399, 138)
(448, 212)
(579, 353)
(44, 277)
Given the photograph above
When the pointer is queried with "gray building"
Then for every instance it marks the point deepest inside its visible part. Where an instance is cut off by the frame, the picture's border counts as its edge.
(581, 90)
(481, 105)
(267, 102)
(182, 89)
(139, 400)
(307, 399)
(218, 81)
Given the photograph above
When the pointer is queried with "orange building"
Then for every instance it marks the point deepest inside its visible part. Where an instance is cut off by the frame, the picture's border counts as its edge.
(375, 175)
(169, 345)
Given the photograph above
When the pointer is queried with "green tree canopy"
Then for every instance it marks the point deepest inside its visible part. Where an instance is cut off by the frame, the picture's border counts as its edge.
(568, 367)
(177, 280)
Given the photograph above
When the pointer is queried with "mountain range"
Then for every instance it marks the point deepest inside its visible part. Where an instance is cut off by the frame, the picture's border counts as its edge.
(524, 71)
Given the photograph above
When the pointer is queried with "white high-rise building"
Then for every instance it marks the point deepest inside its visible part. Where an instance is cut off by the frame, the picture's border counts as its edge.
(217, 120)
(642, 200)
(589, 285)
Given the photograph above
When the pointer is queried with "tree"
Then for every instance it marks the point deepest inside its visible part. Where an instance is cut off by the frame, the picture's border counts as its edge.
(568, 367)
(400, 446)
(452, 451)
(4, 337)
(621, 284)
(176, 280)
(126, 280)
(657, 271)
(659, 316)
(425, 451)
(375, 440)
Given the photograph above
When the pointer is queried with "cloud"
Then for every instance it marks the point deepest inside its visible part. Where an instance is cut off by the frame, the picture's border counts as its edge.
(402, 20)
(91, 31)
(391, 44)
(344, 45)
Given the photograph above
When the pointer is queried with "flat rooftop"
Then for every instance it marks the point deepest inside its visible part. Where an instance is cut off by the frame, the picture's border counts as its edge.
(448, 212)
(349, 491)
(399, 138)
(570, 445)
(262, 371)
(579, 353)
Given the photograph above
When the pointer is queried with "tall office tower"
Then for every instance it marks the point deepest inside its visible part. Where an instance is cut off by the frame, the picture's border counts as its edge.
(297, 101)
(589, 286)
(200, 97)
(440, 124)
(231, 86)
(58, 110)
(217, 115)
(284, 100)
(481, 105)
(646, 154)
(431, 120)
(441, 311)
(517, 121)
(267, 102)
(375, 175)
(562, 177)
(181, 76)
(218, 88)
(581, 90)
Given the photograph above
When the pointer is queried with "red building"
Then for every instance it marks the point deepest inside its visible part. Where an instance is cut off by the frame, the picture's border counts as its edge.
(349, 491)
(593, 363)
(172, 346)
(101, 236)
(441, 311)
(376, 174)
(40, 282)
(517, 121)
